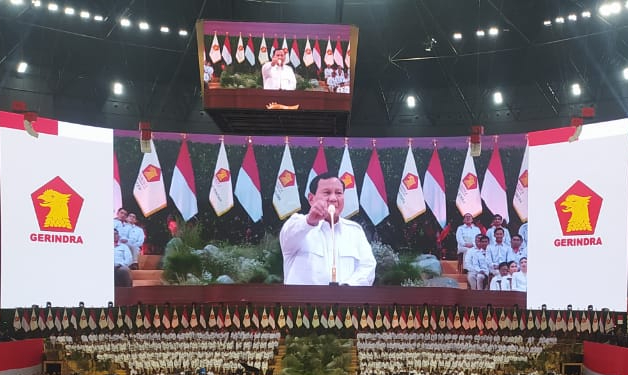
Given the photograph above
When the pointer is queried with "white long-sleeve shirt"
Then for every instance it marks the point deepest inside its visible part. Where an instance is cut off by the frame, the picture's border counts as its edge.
(308, 253)
(466, 234)
(278, 77)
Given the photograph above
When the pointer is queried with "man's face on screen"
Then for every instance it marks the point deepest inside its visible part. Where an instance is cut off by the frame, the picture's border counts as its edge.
(331, 192)
(280, 56)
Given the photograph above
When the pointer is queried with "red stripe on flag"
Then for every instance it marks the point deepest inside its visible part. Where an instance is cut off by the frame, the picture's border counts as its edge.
(605, 359)
(436, 170)
(116, 171)
(374, 171)
(249, 164)
(546, 137)
(320, 162)
(184, 163)
(496, 169)
(16, 121)
(21, 354)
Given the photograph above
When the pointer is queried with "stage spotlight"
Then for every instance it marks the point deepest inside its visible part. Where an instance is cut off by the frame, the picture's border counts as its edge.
(144, 25)
(586, 14)
(124, 22)
(497, 97)
(572, 17)
(118, 89)
(85, 14)
(493, 31)
(480, 33)
(560, 20)
(53, 7)
(411, 101)
(457, 36)
(547, 23)
(183, 32)
(22, 66)
(164, 29)
(575, 89)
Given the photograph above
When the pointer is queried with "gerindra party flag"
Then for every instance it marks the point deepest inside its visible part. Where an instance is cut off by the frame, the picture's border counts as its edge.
(520, 200)
(248, 188)
(149, 190)
(308, 59)
(494, 186)
(286, 197)
(240, 50)
(373, 198)
(319, 167)
(214, 52)
(329, 54)
(434, 189)
(221, 191)
(262, 56)
(468, 199)
(410, 200)
(345, 173)
(183, 187)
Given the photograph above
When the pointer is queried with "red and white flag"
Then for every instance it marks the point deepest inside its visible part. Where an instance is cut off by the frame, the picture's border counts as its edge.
(410, 200)
(73, 319)
(91, 322)
(520, 200)
(236, 318)
(434, 189)
(308, 59)
(183, 187)
(119, 318)
(26, 321)
(221, 191)
(117, 190)
(21, 357)
(50, 320)
(249, 52)
(316, 54)
(338, 55)
(201, 317)
(295, 59)
(165, 319)
(41, 322)
(373, 199)
(274, 46)
(255, 318)
(286, 197)
(128, 321)
(240, 50)
(319, 167)
(494, 186)
(306, 319)
(248, 188)
(226, 51)
(146, 320)
(214, 51)
(149, 190)
(185, 322)
(348, 56)
(57, 320)
(262, 56)
(468, 199)
(329, 53)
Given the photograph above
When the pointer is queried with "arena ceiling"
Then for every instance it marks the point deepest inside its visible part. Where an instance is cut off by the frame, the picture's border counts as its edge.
(406, 48)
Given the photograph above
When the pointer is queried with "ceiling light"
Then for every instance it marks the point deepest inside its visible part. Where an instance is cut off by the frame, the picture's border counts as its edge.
(626, 73)
(493, 31)
(118, 88)
(98, 18)
(411, 101)
(586, 14)
(36, 3)
(164, 29)
(609, 9)
(560, 20)
(572, 17)
(22, 66)
(626, 4)
(576, 90)
(547, 23)
(124, 22)
(69, 11)
(183, 32)
(457, 36)
(85, 14)
(615, 7)
(144, 25)
(498, 98)
(480, 33)
(53, 7)
(17, 2)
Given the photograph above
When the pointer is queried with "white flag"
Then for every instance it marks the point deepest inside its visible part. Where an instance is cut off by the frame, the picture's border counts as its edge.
(286, 197)
(345, 173)
(240, 51)
(221, 191)
(308, 59)
(263, 51)
(284, 46)
(468, 199)
(214, 52)
(410, 200)
(149, 190)
(520, 200)
(183, 187)
(494, 186)
(329, 54)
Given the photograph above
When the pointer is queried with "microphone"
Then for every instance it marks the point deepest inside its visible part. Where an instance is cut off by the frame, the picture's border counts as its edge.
(331, 209)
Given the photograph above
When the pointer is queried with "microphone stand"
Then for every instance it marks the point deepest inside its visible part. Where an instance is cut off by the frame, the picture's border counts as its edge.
(332, 210)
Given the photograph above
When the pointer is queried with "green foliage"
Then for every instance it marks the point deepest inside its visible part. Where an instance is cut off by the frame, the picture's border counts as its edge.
(179, 261)
(302, 84)
(241, 80)
(317, 355)
(191, 233)
(399, 273)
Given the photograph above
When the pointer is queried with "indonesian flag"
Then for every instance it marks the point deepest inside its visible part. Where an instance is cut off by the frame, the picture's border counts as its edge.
(21, 357)
(522, 320)
(65, 321)
(274, 46)
(249, 52)
(348, 56)
(551, 324)
(457, 322)
(147, 319)
(211, 322)
(26, 321)
(262, 56)
(495, 323)
(426, 318)
(346, 175)
(315, 319)
(503, 324)
(410, 200)
(139, 318)
(214, 51)
(514, 320)
(246, 319)
(119, 318)
(102, 319)
(319, 167)
(378, 319)
(286, 197)
(434, 189)
(537, 320)
(248, 189)
(354, 319)
(468, 199)
(308, 59)
(227, 318)
(91, 323)
(166, 319)
(595, 325)
(183, 187)
(281, 318)
(295, 59)
(255, 318)
(194, 319)
(472, 320)
(369, 319)
(520, 199)
(289, 319)
(395, 319)
(57, 322)
(82, 320)
(609, 323)
(386, 319)
(299, 320)
(494, 186)
(324, 320)
(226, 50)
(127, 318)
(373, 198)
(240, 50)
(329, 54)
(156, 318)
(480, 321)
(450, 320)
(576, 321)
(338, 55)
(338, 320)
(306, 319)
(271, 318)
(185, 322)
(221, 191)
(174, 321)
(50, 320)
(264, 320)
(201, 317)
(465, 320)
(403, 320)
(73, 320)
(433, 320)
(149, 190)
(316, 54)
(117, 191)
(40, 321)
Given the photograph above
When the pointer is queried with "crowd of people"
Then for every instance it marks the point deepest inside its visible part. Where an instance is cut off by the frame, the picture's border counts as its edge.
(494, 260)
(128, 239)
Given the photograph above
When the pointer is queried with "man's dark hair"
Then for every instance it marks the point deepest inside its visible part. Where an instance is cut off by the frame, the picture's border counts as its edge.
(518, 236)
(501, 229)
(485, 237)
(323, 176)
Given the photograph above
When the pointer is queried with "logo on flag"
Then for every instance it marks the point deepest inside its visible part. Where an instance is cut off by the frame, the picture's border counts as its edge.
(348, 180)
(287, 178)
(523, 179)
(57, 208)
(151, 173)
(411, 181)
(578, 210)
(470, 181)
(223, 175)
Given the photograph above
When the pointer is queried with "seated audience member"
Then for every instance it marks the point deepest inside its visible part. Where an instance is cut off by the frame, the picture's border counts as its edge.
(477, 264)
(500, 281)
(523, 232)
(517, 250)
(498, 223)
(465, 235)
(497, 251)
(521, 277)
(135, 238)
(122, 259)
(119, 222)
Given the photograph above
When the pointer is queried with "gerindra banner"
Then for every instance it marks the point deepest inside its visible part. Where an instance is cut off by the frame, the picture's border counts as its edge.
(578, 215)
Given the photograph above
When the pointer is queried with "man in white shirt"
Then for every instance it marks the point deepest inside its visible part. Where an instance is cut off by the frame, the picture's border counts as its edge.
(477, 264)
(122, 259)
(135, 238)
(497, 251)
(497, 223)
(277, 75)
(517, 250)
(523, 232)
(312, 251)
(465, 235)
(501, 282)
